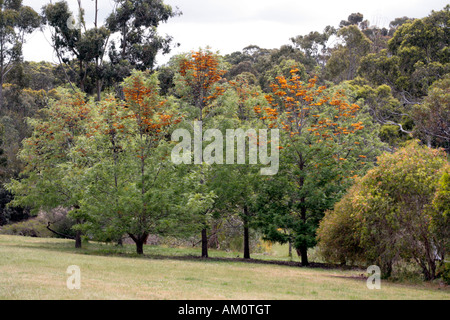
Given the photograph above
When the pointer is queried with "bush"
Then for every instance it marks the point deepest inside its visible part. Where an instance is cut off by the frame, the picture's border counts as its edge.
(34, 227)
(443, 272)
(398, 212)
(338, 234)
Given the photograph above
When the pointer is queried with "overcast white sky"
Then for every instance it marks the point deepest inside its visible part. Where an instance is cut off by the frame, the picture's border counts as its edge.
(230, 25)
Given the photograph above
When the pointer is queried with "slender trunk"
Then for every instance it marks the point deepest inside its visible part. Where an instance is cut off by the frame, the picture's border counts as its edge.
(204, 243)
(96, 14)
(2, 71)
(246, 235)
(304, 249)
(78, 233)
(290, 248)
(213, 241)
(124, 41)
(78, 240)
(246, 243)
(81, 76)
(1, 93)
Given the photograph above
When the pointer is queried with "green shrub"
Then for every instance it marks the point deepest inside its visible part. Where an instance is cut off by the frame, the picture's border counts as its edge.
(35, 227)
(443, 272)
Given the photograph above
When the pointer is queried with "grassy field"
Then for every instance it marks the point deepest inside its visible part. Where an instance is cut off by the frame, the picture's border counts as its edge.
(35, 268)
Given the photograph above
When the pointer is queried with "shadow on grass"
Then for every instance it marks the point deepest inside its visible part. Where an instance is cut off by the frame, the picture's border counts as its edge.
(110, 251)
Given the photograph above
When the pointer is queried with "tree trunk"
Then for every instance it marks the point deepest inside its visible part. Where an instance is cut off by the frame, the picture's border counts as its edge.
(78, 239)
(81, 76)
(303, 254)
(78, 233)
(246, 242)
(213, 241)
(246, 234)
(1, 95)
(204, 243)
(139, 241)
(290, 249)
(140, 247)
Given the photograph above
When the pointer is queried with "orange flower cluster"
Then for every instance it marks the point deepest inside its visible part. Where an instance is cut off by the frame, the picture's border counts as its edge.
(201, 72)
(71, 111)
(144, 102)
(296, 108)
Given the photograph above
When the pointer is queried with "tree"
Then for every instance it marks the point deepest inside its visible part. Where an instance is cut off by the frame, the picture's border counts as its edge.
(53, 159)
(392, 213)
(325, 146)
(75, 41)
(432, 118)
(339, 232)
(353, 19)
(16, 21)
(440, 215)
(198, 84)
(136, 23)
(239, 182)
(345, 58)
(385, 109)
(153, 193)
(314, 45)
(421, 46)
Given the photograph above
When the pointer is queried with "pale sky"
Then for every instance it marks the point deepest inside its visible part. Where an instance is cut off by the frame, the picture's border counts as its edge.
(231, 25)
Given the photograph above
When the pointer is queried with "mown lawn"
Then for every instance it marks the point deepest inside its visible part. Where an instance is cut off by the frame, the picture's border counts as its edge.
(35, 268)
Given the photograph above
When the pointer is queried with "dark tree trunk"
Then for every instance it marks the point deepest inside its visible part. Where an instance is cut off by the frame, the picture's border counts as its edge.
(303, 250)
(140, 247)
(303, 253)
(246, 243)
(1, 94)
(204, 243)
(78, 233)
(139, 241)
(78, 240)
(246, 234)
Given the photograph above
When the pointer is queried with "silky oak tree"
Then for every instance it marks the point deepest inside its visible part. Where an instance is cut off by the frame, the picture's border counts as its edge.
(199, 85)
(324, 145)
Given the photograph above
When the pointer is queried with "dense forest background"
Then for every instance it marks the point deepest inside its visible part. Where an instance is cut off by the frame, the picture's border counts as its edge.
(397, 76)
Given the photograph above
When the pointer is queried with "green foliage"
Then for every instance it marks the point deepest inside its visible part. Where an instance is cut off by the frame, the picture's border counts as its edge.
(16, 21)
(389, 207)
(444, 272)
(136, 23)
(421, 46)
(345, 59)
(35, 227)
(432, 117)
(339, 234)
(71, 42)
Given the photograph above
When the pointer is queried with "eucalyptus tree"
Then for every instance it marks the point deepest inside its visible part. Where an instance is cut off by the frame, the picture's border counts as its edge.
(16, 21)
(135, 23)
(73, 40)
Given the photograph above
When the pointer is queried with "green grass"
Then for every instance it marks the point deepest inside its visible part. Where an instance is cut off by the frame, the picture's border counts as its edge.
(35, 268)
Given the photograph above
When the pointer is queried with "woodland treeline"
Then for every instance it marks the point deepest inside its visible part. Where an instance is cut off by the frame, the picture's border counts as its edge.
(363, 114)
